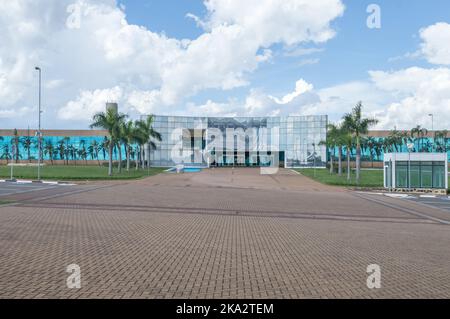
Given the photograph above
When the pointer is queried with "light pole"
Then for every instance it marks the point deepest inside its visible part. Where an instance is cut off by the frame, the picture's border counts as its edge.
(39, 125)
(432, 121)
(432, 129)
(410, 148)
(314, 158)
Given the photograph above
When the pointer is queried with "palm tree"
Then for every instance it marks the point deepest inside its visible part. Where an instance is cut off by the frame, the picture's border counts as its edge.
(358, 126)
(341, 135)
(331, 142)
(49, 149)
(110, 121)
(149, 135)
(129, 135)
(347, 140)
(104, 145)
(371, 142)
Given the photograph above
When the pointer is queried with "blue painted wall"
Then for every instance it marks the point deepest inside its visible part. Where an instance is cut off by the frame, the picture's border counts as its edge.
(72, 143)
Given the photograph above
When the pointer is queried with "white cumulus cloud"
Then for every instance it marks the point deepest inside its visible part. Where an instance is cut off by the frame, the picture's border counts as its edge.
(88, 58)
(436, 44)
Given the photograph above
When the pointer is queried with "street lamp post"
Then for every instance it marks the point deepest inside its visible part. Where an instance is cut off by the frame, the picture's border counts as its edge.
(39, 125)
(314, 158)
(432, 129)
(432, 121)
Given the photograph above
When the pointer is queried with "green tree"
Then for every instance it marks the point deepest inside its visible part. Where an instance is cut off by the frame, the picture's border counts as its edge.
(331, 143)
(130, 134)
(110, 121)
(148, 135)
(358, 126)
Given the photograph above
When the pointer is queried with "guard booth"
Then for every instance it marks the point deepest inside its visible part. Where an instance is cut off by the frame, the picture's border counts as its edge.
(416, 172)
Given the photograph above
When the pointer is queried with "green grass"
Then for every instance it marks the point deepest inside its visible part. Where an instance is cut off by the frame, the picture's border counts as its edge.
(369, 178)
(5, 202)
(74, 173)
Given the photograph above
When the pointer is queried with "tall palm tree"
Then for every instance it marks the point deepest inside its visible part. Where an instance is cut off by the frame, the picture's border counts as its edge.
(340, 143)
(104, 145)
(110, 121)
(347, 140)
(370, 142)
(331, 143)
(149, 134)
(129, 135)
(357, 126)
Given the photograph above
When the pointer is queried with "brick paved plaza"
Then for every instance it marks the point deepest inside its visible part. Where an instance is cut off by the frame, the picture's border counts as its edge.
(221, 233)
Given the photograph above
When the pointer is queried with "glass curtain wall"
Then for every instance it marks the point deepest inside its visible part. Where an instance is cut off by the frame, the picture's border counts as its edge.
(422, 175)
(241, 141)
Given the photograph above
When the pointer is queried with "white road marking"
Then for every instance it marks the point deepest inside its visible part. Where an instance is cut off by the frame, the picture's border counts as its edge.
(370, 193)
(398, 195)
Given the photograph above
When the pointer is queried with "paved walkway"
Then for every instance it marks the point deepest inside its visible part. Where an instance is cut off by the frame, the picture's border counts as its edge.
(222, 233)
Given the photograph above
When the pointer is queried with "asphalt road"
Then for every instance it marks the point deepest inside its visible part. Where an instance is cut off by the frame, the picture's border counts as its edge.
(441, 202)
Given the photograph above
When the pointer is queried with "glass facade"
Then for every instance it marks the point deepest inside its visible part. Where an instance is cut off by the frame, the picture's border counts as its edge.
(291, 141)
(422, 174)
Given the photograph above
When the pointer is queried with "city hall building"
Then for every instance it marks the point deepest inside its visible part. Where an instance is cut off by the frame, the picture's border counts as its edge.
(291, 141)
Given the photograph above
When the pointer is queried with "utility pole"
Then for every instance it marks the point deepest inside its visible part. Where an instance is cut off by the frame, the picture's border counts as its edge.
(39, 125)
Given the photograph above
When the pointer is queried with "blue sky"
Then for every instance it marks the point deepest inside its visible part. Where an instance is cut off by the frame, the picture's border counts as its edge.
(228, 58)
(354, 51)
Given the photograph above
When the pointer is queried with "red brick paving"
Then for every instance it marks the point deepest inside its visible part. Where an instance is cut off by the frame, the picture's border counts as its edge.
(220, 234)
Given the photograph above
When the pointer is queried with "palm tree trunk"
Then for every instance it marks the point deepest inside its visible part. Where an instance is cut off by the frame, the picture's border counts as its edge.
(340, 161)
(331, 163)
(110, 161)
(142, 157)
(119, 149)
(358, 160)
(148, 155)
(348, 164)
(128, 157)
(138, 154)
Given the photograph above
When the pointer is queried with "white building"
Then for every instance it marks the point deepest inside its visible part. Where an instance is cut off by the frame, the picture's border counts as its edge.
(416, 171)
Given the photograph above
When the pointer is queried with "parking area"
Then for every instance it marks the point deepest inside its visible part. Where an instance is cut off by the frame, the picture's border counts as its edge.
(23, 190)
(222, 233)
(441, 202)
